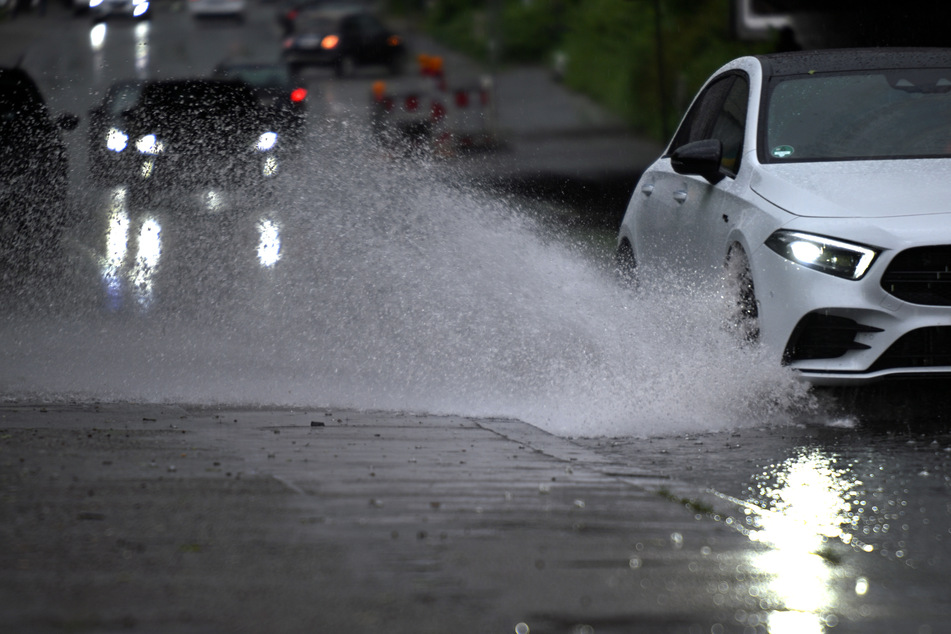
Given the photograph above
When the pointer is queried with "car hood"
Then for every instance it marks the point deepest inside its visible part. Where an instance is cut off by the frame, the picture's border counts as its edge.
(856, 189)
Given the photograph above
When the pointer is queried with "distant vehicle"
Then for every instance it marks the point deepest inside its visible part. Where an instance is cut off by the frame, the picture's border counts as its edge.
(217, 8)
(108, 130)
(281, 94)
(344, 39)
(34, 162)
(104, 9)
(179, 135)
(811, 187)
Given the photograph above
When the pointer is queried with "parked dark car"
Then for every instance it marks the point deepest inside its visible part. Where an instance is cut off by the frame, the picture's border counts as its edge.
(343, 39)
(184, 134)
(34, 163)
(281, 94)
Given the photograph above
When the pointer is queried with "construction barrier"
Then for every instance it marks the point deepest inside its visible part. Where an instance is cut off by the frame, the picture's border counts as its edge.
(432, 115)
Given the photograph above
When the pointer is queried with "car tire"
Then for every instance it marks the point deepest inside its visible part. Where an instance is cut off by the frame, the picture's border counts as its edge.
(744, 310)
(625, 265)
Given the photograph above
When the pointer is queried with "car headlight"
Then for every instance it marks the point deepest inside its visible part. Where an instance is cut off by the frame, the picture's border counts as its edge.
(116, 140)
(149, 145)
(266, 141)
(834, 257)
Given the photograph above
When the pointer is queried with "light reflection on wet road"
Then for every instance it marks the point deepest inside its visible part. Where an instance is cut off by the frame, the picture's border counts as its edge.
(856, 520)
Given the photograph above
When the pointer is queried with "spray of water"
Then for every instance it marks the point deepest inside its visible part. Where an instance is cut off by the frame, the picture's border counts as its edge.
(385, 284)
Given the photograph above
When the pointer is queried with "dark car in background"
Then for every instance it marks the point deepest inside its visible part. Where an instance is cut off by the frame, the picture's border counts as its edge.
(179, 135)
(281, 94)
(105, 9)
(34, 163)
(343, 38)
(108, 130)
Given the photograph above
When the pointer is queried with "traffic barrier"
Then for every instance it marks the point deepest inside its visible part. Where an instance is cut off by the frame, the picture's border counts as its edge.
(432, 115)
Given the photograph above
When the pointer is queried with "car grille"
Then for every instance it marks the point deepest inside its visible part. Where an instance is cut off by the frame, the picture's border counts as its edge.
(921, 276)
(820, 336)
(923, 348)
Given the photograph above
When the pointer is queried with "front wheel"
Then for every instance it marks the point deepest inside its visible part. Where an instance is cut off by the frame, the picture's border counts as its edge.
(625, 265)
(744, 310)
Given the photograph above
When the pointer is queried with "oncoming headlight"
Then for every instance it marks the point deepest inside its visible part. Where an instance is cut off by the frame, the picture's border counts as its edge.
(834, 257)
(266, 141)
(149, 145)
(116, 140)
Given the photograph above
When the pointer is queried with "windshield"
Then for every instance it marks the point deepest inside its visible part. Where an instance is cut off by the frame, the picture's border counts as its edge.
(890, 114)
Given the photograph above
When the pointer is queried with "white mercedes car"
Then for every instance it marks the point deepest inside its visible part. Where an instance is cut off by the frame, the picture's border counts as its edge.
(819, 182)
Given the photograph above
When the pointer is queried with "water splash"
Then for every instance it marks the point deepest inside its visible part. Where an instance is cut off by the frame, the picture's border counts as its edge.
(396, 288)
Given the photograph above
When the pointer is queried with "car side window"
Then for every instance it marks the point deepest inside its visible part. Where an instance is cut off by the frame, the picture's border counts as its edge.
(730, 125)
(699, 120)
(718, 113)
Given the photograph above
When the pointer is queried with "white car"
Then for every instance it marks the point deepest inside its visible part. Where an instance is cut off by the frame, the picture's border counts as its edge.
(820, 183)
(217, 8)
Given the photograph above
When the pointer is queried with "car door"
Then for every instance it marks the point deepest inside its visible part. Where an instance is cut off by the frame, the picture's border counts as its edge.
(662, 233)
(713, 208)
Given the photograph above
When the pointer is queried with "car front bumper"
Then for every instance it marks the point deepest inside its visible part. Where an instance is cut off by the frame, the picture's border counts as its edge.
(835, 331)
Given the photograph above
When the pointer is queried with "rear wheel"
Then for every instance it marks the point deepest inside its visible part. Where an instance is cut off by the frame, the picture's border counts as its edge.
(744, 311)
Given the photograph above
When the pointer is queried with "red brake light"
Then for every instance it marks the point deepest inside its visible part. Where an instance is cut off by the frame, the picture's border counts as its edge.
(411, 103)
(298, 95)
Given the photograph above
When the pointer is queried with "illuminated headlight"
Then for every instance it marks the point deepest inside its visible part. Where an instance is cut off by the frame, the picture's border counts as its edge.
(149, 145)
(841, 259)
(266, 141)
(94, 3)
(139, 7)
(117, 140)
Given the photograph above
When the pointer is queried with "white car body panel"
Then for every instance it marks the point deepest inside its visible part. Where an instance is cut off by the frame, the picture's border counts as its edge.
(859, 189)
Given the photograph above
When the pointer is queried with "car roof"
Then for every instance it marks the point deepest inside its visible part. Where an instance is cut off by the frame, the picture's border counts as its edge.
(848, 59)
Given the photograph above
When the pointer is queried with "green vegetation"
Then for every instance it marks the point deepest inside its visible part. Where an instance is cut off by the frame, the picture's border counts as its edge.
(642, 59)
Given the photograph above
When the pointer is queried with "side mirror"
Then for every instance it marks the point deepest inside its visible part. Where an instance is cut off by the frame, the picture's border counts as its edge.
(699, 157)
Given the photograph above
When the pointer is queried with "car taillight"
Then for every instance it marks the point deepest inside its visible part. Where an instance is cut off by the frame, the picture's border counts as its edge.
(329, 41)
(298, 95)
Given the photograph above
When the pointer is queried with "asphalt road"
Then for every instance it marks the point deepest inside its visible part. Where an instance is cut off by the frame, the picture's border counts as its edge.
(178, 519)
